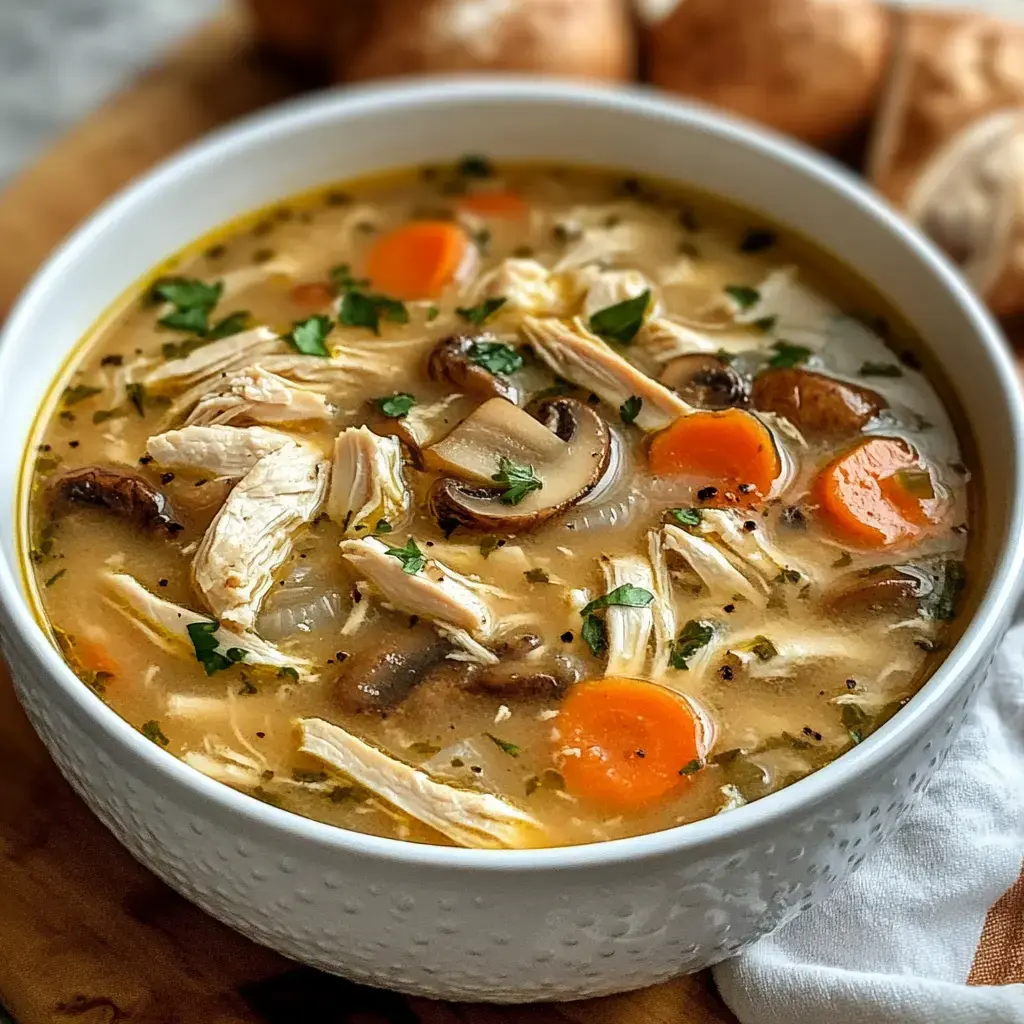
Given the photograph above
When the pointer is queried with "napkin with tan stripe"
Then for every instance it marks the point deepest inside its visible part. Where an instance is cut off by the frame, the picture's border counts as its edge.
(931, 929)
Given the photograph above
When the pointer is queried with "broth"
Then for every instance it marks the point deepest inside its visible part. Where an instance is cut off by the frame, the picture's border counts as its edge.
(353, 509)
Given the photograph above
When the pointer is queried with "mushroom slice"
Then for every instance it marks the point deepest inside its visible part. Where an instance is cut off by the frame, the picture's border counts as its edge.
(366, 481)
(576, 354)
(453, 360)
(167, 624)
(575, 470)
(228, 355)
(259, 396)
(425, 425)
(229, 452)
(252, 534)
(116, 490)
(435, 592)
(473, 819)
(496, 430)
(705, 381)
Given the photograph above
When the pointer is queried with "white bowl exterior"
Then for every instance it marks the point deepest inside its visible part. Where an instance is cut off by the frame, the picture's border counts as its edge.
(473, 924)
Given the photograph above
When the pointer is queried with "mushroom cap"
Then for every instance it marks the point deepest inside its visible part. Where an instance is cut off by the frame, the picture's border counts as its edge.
(810, 68)
(592, 39)
(451, 360)
(816, 404)
(705, 381)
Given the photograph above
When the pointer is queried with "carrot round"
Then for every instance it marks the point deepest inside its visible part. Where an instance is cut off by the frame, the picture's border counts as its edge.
(877, 494)
(417, 260)
(312, 295)
(503, 205)
(730, 450)
(633, 740)
(93, 656)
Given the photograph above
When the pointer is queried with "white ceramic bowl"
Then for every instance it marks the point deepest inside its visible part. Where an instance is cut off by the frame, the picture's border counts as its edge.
(469, 924)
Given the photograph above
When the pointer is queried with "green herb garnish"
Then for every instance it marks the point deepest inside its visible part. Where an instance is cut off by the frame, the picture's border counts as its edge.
(56, 576)
(630, 409)
(136, 393)
(397, 405)
(686, 516)
(413, 560)
(509, 748)
(207, 648)
(763, 648)
(432, 314)
(743, 296)
(308, 336)
(495, 357)
(193, 301)
(695, 636)
(941, 603)
(594, 634)
(488, 544)
(692, 767)
(152, 731)
(474, 166)
(622, 322)
(536, 576)
(855, 721)
(479, 314)
(288, 673)
(233, 323)
(342, 280)
(916, 482)
(78, 393)
(766, 323)
(787, 355)
(518, 479)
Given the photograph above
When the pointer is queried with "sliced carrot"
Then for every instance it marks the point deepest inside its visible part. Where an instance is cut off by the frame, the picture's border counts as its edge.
(865, 497)
(504, 205)
(730, 450)
(417, 260)
(633, 740)
(93, 656)
(312, 295)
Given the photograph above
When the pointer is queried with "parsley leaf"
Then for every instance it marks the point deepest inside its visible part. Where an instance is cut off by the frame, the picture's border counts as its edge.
(495, 357)
(343, 281)
(136, 393)
(694, 636)
(692, 767)
(763, 648)
(78, 393)
(479, 314)
(519, 480)
(233, 323)
(880, 370)
(152, 731)
(207, 648)
(288, 673)
(432, 314)
(193, 301)
(766, 323)
(359, 310)
(594, 633)
(630, 409)
(626, 596)
(308, 336)
(536, 576)
(397, 405)
(743, 296)
(787, 355)
(855, 719)
(622, 321)
(509, 748)
(686, 516)
(413, 560)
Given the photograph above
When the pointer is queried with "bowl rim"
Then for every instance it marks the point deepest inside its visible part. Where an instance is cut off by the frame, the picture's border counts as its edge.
(820, 786)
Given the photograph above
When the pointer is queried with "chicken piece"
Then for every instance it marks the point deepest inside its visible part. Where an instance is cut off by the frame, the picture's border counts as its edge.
(166, 624)
(478, 820)
(723, 580)
(229, 452)
(228, 355)
(252, 534)
(629, 629)
(366, 482)
(576, 354)
(528, 287)
(662, 606)
(259, 396)
(606, 288)
(435, 592)
(118, 491)
(665, 340)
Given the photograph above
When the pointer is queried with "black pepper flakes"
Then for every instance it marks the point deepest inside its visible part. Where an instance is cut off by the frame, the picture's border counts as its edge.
(567, 637)
(162, 582)
(166, 478)
(73, 444)
(726, 673)
(729, 609)
(851, 684)
(145, 460)
(640, 753)
(750, 526)
(707, 493)
(745, 488)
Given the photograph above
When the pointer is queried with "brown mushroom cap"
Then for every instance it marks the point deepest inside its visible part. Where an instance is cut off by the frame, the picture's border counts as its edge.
(810, 68)
(890, 589)
(705, 382)
(451, 360)
(816, 404)
(567, 477)
(115, 490)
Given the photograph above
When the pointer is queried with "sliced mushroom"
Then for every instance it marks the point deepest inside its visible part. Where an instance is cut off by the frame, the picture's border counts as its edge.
(378, 679)
(818, 405)
(452, 360)
(896, 590)
(116, 490)
(705, 382)
(572, 467)
(527, 680)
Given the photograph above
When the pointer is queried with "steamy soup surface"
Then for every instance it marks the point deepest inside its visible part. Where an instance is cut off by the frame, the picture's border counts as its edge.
(500, 507)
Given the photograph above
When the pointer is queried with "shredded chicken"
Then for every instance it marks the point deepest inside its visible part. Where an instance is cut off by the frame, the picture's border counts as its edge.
(229, 452)
(629, 629)
(436, 592)
(469, 818)
(715, 570)
(606, 288)
(664, 339)
(252, 534)
(367, 485)
(166, 624)
(528, 287)
(258, 396)
(576, 354)
(662, 606)
(228, 355)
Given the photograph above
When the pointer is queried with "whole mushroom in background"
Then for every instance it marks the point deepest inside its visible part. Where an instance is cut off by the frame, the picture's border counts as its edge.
(305, 29)
(810, 68)
(575, 38)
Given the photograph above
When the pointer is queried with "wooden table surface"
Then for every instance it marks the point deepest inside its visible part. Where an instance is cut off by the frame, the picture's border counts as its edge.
(86, 934)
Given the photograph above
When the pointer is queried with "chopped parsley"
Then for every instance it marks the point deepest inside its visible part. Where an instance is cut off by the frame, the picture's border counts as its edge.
(627, 596)
(766, 324)
(621, 322)
(78, 393)
(757, 240)
(630, 409)
(495, 357)
(787, 355)
(692, 767)
(518, 479)
(397, 405)
(686, 516)
(880, 370)
(56, 576)
(136, 393)
(695, 636)
(233, 323)
(152, 731)
(743, 296)
(916, 482)
(594, 634)
(193, 301)
(308, 336)
(359, 310)
(488, 544)
(343, 281)
(855, 720)
(413, 560)
(536, 576)
(509, 748)
(288, 673)
(432, 314)
(478, 315)
(762, 648)
(207, 648)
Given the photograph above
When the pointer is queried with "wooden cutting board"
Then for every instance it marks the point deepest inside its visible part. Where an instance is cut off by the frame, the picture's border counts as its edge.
(87, 935)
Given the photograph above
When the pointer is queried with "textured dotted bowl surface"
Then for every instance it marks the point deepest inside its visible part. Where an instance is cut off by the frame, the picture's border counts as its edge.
(516, 925)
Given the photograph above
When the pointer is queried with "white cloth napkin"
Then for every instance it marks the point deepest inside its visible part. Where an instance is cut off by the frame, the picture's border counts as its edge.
(896, 943)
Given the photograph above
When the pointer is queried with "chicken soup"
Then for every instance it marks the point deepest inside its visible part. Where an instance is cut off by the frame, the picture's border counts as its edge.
(500, 507)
